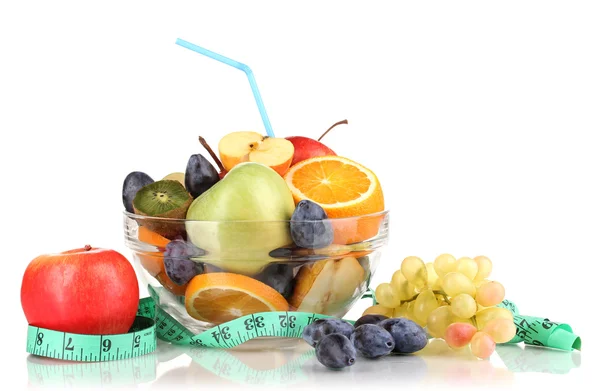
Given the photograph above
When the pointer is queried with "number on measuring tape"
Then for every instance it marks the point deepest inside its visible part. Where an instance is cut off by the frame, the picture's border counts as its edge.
(70, 344)
(259, 321)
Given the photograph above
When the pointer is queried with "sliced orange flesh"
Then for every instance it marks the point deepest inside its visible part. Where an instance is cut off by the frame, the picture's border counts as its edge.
(222, 305)
(341, 186)
(332, 181)
(221, 297)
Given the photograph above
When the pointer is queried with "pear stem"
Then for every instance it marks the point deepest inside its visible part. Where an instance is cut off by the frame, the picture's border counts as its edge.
(212, 153)
(344, 121)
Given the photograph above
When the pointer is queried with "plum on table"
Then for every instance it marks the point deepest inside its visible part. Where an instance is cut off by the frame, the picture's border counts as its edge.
(408, 336)
(336, 351)
(372, 341)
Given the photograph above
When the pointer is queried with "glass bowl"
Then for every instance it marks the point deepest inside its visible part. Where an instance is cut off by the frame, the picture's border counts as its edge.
(326, 280)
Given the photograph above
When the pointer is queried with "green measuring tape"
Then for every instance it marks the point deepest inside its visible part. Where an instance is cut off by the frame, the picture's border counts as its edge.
(83, 347)
(154, 322)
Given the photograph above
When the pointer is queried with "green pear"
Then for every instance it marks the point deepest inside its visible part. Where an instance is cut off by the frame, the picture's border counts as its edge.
(243, 217)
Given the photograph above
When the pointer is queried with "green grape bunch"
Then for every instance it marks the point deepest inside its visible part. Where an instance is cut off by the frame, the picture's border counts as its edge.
(454, 299)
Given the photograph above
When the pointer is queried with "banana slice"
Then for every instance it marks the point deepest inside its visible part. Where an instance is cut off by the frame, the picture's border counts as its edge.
(326, 287)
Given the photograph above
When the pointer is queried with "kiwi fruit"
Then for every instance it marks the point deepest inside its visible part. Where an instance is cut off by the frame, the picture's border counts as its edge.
(167, 199)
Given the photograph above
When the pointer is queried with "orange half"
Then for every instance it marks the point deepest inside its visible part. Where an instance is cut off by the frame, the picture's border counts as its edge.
(221, 297)
(343, 188)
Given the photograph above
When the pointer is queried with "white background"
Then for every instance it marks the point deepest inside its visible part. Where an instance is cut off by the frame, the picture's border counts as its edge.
(480, 119)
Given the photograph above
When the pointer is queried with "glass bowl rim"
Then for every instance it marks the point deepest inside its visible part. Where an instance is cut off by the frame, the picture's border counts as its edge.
(136, 217)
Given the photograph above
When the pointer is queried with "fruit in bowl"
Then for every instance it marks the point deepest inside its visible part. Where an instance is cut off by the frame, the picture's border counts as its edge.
(249, 192)
(257, 233)
(239, 147)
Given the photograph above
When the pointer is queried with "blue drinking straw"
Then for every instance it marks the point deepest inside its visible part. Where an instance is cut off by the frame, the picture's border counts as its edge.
(243, 67)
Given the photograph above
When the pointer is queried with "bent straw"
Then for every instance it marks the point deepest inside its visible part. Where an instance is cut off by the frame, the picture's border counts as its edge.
(243, 67)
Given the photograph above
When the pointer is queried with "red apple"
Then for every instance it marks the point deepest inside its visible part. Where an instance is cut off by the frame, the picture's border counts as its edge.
(305, 148)
(84, 291)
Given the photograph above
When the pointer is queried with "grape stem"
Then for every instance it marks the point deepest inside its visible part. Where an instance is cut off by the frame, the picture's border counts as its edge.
(441, 293)
(409, 300)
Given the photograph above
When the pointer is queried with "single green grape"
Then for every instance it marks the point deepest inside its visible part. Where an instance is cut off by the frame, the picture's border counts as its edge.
(438, 320)
(501, 330)
(444, 264)
(482, 345)
(467, 266)
(464, 306)
(455, 283)
(405, 289)
(484, 267)
(425, 303)
(387, 295)
(415, 271)
(459, 334)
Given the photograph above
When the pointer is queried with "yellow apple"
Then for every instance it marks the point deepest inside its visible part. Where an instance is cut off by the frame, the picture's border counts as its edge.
(239, 147)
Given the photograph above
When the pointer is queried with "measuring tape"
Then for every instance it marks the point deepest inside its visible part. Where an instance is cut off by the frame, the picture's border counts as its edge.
(153, 322)
(83, 347)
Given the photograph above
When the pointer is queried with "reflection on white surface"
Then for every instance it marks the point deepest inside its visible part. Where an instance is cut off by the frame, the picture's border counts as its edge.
(48, 372)
(536, 359)
(174, 365)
